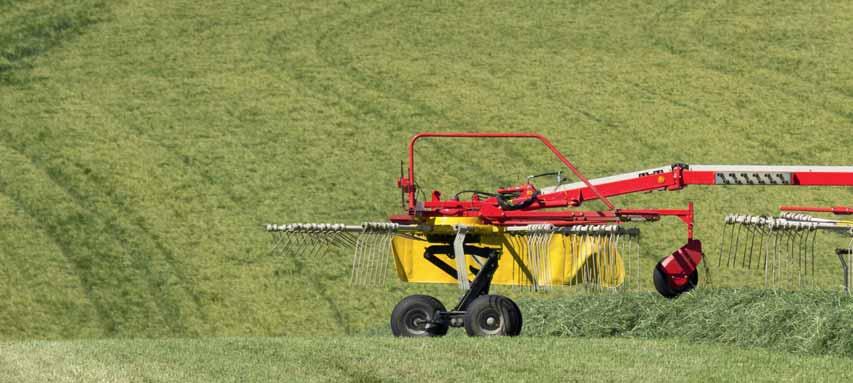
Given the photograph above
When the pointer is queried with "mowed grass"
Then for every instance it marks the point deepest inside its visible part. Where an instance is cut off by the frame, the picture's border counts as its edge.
(142, 144)
(360, 359)
(803, 322)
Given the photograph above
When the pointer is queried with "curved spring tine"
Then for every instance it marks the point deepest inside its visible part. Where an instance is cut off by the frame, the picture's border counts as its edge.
(732, 260)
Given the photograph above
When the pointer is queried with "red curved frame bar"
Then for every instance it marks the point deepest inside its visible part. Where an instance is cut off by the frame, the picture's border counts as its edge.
(539, 137)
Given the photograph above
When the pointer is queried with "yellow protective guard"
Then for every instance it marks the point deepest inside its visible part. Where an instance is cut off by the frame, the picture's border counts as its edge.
(550, 259)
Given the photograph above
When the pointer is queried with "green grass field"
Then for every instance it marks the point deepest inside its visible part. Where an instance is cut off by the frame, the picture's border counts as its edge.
(359, 359)
(142, 145)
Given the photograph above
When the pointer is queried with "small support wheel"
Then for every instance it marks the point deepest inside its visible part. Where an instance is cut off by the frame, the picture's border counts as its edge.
(665, 286)
(491, 315)
(416, 316)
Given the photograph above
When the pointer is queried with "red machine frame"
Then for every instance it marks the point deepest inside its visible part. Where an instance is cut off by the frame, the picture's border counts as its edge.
(679, 266)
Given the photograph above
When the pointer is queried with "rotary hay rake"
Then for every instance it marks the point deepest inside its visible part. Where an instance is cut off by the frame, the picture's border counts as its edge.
(538, 238)
(783, 247)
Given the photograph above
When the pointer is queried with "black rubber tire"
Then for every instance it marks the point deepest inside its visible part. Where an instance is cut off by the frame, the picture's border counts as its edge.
(493, 315)
(410, 316)
(663, 287)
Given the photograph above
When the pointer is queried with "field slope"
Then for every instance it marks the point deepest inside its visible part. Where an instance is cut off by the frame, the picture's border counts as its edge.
(142, 143)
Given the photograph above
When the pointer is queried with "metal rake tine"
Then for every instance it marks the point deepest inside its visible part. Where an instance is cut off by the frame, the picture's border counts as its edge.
(789, 261)
(747, 231)
(371, 258)
(546, 266)
(383, 243)
(605, 241)
(277, 239)
(792, 244)
(583, 258)
(315, 247)
(626, 260)
(540, 279)
(611, 260)
(774, 261)
(801, 243)
(776, 265)
(762, 237)
(546, 257)
(624, 248)
(534, 248)
(596, 283)
(299, 244)
(585, 247)
(766, 252)
(538, 251)
(769, 259)
(733, 254)
(580, 246)
(369, 261)
(614, 248)
(637, 253)
(722, 244)
(588, 260)
(364, 263)
(814, 238)
(344, 239)
(356, 259)
(769, 240)
(531, 257)
(792, 237)
(751, 232)
(543, 254)
(524, 243)
(728, 253)
(540, 283)
(602, 266)
(608, 258)
(377, 256)
(390, 250)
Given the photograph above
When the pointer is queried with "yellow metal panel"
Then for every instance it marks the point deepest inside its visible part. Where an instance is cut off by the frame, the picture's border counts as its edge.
(572, 259)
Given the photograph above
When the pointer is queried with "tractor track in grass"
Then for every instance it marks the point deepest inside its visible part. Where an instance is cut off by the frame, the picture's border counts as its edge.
(100, 313)
(352, 24)
(672, 49)
(156, 283)
(326, 46)
(107, 323)
(769, 144)
(715, 45)
(167, 307)
(35, 36)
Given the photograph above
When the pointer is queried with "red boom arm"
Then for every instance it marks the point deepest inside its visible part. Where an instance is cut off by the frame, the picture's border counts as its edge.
(524, 207)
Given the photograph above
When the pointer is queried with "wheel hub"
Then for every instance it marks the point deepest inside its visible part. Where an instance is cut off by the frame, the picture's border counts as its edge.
(416, 321)
(490, 322)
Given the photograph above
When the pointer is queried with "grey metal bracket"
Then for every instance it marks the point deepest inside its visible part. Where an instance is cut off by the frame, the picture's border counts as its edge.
(459, 254)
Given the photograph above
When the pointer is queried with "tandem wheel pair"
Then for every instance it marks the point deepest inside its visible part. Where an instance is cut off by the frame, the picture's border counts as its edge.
(486, 315)
(481, 313)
